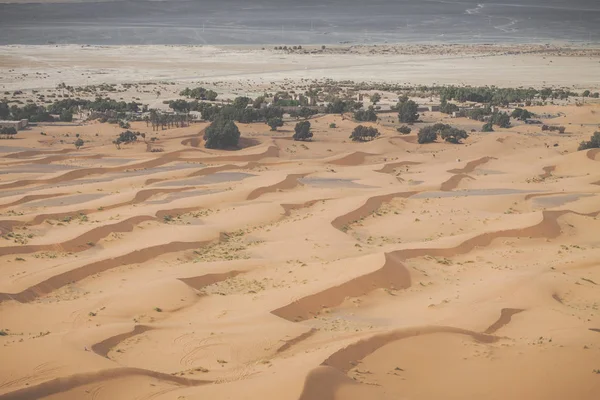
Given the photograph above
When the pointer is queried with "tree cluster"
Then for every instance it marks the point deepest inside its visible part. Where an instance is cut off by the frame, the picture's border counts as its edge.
(429, 134)
(126, 137)
(551, 128)
(303, 112)
(499, 96)
(199, 93)
(522, 114)
(8, 131)
(448, 108)
(501, 119)
(479, 114)
(339, 106)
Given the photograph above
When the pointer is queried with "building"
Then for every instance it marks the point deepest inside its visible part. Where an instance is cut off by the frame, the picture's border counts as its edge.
(18, 125)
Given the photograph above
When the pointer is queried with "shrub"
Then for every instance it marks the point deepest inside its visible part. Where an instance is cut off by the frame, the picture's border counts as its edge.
(302, 131)
(221, 134)
(405, 130)
(364, 133)
(332, 125)
(78, 143)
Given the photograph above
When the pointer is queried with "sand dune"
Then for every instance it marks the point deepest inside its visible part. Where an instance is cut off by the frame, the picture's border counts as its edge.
(321, 270)
(471, 165)
(505, 317)
(60, 385)
(82, 242)
(290, 182)
(389, 167)
(135, 257)
(372, 204)
(353, 159)
(141, 196)
(103, 348)
(33, 197)
(453, 182)
(392, 275)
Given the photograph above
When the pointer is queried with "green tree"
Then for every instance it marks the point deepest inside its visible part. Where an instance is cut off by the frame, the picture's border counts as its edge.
(375, 98)
(521, 113)
(78, 144)
(66, 116)
(364, 133)
(427, 135)
(593, 143)
(257, 103)
(127, 137)
(221, 134)
(586, 93)
(241, 102)
(448, 108)
(501, 119)
(275, 123)
(453, 135)
(366, 115)
(302, 131)
(8, 132)
(487, 127)
(407, 111)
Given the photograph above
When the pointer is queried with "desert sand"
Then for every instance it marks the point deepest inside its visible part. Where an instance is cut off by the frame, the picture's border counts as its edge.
(285, 270)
